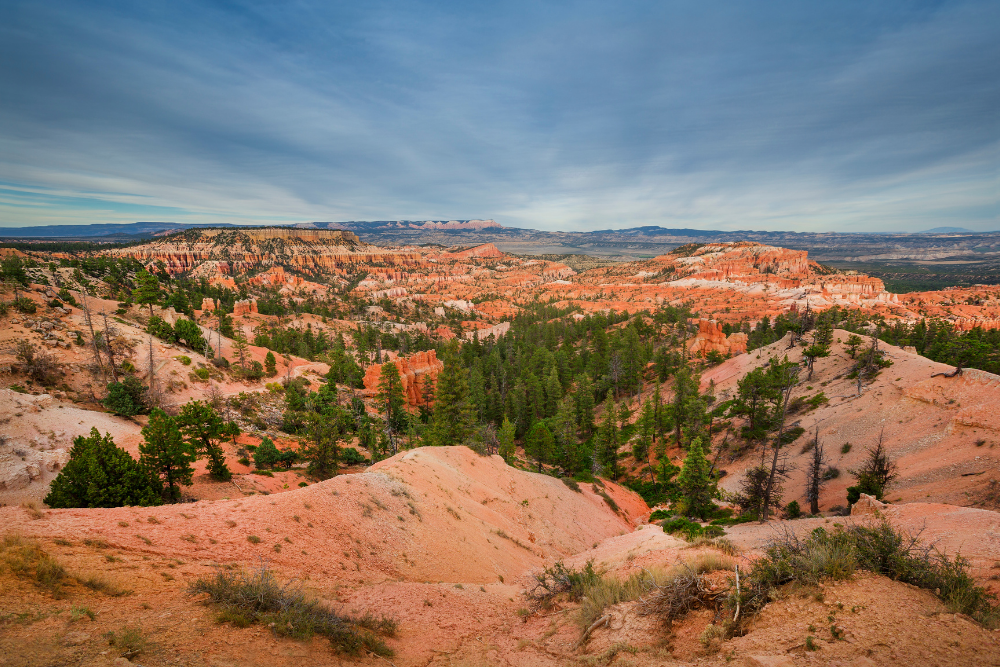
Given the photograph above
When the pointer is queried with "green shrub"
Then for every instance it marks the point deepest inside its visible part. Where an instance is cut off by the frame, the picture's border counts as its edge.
(352, 457)
(128, 641)
(689, 530)
(878, 548)
(25, 305)
(184, 359)
(257, 597)
(202, 373)
(659, 515)
(572, 484)
(792, 510)
(127, 398)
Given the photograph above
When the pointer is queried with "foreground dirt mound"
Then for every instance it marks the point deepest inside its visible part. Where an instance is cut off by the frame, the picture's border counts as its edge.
(438, 573)
(429, 514)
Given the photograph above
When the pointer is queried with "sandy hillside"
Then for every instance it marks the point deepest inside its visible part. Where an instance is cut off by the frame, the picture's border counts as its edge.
(454, 583)
(944, 433)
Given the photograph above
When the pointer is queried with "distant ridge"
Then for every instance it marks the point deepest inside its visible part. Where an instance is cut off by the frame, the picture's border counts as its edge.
(127, 231)
(948, 230)
(385, 225)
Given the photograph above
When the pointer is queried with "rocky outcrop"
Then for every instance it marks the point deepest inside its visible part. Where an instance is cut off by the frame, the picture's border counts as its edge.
(485, 250)
(207, 305)
(414, 371)
(245, 307)
(867, 506)
(710, 338)
(496, 331)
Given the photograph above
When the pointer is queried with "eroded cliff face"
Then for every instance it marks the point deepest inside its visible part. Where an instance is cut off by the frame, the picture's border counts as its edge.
(314, 251)
(414, 371)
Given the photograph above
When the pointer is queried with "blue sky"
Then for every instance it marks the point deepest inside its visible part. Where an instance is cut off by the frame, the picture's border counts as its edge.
(846, 116)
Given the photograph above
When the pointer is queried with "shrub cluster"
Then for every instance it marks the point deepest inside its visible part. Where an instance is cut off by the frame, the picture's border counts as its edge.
(878, 548)
(256, 597)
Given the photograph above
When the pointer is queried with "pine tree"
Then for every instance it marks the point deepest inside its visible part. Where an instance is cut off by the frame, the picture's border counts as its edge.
(147, 289)
(696, 486)
(322, 447)
(645, 430)
(539, 444)
(454, 414)
(101, 474)
(609, 438)
(240, 347)
(507, 440)
(688, 407)
(585, 404)
(390, 397)
(165, 454)
(270, 364)
(553, 392)
(202, 428)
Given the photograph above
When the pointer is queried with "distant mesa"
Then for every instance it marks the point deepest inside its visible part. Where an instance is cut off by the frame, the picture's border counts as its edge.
(386, 225)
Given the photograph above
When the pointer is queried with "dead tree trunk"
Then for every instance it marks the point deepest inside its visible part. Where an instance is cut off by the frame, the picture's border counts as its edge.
(787, 390)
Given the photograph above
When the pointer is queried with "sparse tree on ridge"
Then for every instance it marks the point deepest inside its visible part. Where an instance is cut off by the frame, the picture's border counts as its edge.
(165, 454)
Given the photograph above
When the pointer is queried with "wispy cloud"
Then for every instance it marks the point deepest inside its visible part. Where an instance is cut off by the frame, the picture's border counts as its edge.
(845, 116)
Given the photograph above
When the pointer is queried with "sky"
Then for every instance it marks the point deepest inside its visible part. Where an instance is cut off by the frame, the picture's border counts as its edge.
(836, 116)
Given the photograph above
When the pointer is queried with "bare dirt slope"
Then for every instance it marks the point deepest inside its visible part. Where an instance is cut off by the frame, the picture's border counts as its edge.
(444, 541)
(944, 433)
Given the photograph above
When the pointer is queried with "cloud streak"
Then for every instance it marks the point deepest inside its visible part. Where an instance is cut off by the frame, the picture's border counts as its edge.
(850, 117)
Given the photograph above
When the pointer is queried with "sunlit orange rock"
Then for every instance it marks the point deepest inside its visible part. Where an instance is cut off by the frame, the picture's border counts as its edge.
(414, 371)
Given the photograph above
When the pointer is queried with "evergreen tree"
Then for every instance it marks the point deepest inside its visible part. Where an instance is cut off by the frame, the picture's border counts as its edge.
(453, 411)
(126, 398)
(645, 429)
(820, 346)
(271, 364)
(553, 392)
(507, 440)
(147, 289)
(609, 438)
(688, 407)
(165, 454)
(539, 444)
(585, 404)
(240, 347)
(390, 399)
(563, 427)
(101, 474)
(696, 486)
(202, 428)
(322, 447)
(266, 455)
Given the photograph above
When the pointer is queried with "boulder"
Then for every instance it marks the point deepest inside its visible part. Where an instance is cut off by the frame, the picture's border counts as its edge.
(867, 506)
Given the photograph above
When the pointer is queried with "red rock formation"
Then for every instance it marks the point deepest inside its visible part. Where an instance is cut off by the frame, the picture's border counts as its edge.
(245, 307)
(711, 338)
(208, 305)
(485, 250)
(308, 250)
(413, 371)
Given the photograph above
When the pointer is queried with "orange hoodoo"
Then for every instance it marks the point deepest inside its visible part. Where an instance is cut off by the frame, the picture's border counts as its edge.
(711, 338)
(413, 371)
